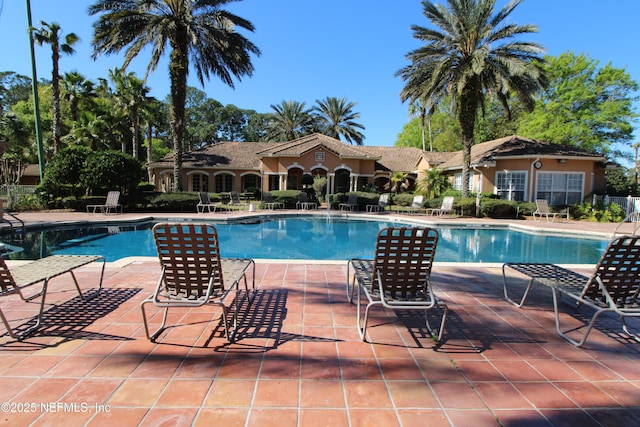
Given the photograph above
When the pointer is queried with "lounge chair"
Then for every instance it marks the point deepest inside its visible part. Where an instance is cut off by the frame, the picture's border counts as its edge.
(613, 287)
(14, 280)
(542, 209)
(398, 277)
(269, 203)
(444, 209)
(351, 205)
(205, 203)
(112, 204)
(304, 203)
(383, 202)
(194, 274)
(234, 199)
(416, 205)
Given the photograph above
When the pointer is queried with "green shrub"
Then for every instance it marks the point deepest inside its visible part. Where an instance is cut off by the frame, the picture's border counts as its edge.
(288, 197)
(364, 199)
(493, 208)
(176, 202)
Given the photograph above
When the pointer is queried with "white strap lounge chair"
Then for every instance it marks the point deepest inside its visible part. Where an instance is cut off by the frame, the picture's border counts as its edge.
(416, 205)
(445, 209)
(398, 277)
(112, 204)
(543, 210)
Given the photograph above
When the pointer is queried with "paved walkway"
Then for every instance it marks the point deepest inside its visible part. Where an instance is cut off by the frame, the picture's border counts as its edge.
(300, 362)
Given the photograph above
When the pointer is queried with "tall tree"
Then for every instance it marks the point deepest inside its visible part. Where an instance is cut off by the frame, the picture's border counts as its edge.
(585, 105)
(335, 118)
(194, 32)
(50, 34)
(290, 120)
(77, 90)
(131, 96)
(470, 54)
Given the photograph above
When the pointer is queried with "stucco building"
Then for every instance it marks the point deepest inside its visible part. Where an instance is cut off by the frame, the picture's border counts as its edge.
(514, 167)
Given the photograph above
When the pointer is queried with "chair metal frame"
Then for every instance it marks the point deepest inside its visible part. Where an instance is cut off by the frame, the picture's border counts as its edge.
(111, 204)
(445, 208)
(613, 287)
(398, 277)
(351, 205)
(194, 274)
(205, 203)
(14, 280)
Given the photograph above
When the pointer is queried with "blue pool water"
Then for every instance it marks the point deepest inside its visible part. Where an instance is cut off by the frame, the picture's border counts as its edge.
(316, 239)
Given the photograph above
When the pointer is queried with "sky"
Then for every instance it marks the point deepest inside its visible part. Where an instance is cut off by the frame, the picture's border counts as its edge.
(313, 49)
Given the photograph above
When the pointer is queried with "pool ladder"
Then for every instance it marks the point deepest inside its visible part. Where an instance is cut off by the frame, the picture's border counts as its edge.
(13, 221)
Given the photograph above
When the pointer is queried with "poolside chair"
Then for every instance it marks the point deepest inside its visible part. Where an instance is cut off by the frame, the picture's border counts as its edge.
(14, 280)
(445, 208)
(267, 199)
(351, 205)
(398, 277)
(383, 202)
(205, 203)
(542, 209)
(416, 205)
(304, 203)
(613, 287)
(112, 204)
(194, 274)
(234, 199)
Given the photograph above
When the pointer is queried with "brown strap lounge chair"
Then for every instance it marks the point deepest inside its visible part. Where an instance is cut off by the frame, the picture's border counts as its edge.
(398, 277)
(613, 287)
(16, 279)
(194, 273)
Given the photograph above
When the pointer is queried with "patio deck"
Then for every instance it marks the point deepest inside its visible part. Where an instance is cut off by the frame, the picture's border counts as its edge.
(299, 360)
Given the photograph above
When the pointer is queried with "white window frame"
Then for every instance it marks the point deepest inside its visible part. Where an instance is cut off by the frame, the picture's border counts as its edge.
(522, 176)
(557, 187)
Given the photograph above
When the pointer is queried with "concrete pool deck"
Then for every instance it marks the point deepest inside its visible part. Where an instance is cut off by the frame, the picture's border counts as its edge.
(299, 360)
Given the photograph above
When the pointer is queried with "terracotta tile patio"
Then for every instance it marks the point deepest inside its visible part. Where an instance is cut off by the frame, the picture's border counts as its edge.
(299, 360)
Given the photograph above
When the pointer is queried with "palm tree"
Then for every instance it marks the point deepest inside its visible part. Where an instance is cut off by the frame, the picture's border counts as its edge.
(77, 89)
(469, 55)
(399, 182)
(289, 120)
(196, 32)
(50, 34)
(335, 118)
(432, 183)
(131, 96)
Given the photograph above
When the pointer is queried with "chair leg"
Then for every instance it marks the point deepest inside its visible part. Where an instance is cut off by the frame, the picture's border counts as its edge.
(445, 309)
(506, 295)
(152, 337)
(589, 326)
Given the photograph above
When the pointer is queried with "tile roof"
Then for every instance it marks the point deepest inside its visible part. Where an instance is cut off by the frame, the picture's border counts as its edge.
(404, 159)
(517, 146)
(223, 155)
(307, 143)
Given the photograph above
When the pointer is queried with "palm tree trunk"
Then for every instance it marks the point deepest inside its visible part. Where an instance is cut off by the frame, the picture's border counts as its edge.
(178, 67)
(55, 85)
(149, 148)
(467, 110)
(135, 141)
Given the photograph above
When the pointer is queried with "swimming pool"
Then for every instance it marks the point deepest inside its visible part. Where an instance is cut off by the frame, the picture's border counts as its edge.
(315, 238)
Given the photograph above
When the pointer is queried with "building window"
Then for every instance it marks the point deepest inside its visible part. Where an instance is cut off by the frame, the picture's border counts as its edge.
(199, 182)
(250, 182)
(319, 156)
(457, 181)
(511, 185)
(274, 182)
(559, 188)
(224, 183)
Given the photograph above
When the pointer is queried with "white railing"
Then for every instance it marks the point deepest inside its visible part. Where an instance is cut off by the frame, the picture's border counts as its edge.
(628, 204)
